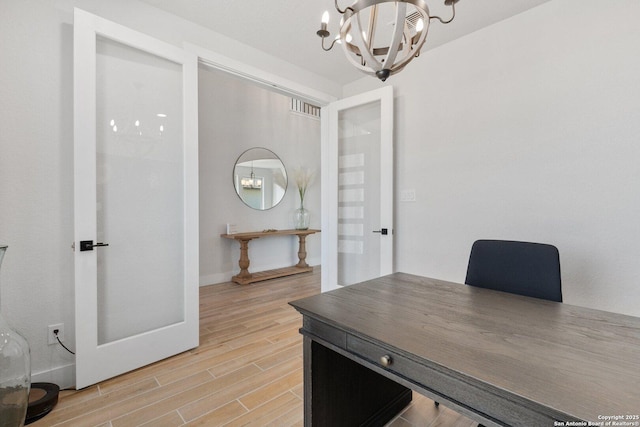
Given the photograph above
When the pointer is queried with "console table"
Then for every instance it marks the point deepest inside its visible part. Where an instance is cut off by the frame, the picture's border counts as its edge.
(499, 358)
(245, 277)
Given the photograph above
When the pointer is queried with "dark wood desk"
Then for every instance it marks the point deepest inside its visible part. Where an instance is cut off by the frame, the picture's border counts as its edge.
(499, 358)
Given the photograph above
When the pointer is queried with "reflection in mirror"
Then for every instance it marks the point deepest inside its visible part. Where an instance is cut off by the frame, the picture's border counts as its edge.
(260, 178)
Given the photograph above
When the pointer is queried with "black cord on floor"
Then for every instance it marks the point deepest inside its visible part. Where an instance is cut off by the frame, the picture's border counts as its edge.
(63, 346)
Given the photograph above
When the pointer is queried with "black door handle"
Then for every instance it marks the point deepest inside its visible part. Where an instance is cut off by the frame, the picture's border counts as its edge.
(87, 245)
(381, 231)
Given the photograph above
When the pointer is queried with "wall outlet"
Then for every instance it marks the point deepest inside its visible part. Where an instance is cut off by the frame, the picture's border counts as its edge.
(52, 336)
(408, 195)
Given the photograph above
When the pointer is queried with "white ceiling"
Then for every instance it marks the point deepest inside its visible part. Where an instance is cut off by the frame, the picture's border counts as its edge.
(287, 28)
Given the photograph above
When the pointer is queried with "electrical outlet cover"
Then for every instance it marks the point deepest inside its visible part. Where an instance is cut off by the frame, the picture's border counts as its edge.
(51, 336)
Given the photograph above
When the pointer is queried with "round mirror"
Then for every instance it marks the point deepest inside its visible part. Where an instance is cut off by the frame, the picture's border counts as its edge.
(260, 178)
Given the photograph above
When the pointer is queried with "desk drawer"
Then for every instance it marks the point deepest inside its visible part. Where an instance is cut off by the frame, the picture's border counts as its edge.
(450, 387)
(387, 359)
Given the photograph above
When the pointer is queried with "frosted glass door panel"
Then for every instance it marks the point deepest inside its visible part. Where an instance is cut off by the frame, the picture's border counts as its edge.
(359, 140)
(140, 191)
(357, 188)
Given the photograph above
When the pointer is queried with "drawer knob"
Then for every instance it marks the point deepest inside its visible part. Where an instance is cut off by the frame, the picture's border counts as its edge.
(386, 360)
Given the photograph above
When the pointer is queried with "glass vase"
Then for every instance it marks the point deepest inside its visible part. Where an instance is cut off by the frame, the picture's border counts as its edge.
(15, 373)
(301, 219)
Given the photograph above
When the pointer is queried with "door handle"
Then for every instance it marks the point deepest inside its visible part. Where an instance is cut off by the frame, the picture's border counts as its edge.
(382, 231)
(87, 245)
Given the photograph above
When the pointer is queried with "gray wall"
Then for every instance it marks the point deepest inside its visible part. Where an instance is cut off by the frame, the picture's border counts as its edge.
(526, 130)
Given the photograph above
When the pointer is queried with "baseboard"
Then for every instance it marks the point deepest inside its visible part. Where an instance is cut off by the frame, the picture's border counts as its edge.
(62, 376)
(212, 279)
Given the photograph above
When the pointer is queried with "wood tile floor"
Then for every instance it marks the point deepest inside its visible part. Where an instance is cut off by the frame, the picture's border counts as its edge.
(247, 371)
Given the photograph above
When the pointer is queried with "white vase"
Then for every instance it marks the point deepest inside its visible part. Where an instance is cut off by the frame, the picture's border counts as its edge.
(15, 373)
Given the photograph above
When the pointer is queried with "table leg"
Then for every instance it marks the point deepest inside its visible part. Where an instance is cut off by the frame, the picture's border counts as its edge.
(244, 260)
(302, 251)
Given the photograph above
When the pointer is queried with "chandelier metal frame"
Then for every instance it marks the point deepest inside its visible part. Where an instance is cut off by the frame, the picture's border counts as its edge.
(358, 41)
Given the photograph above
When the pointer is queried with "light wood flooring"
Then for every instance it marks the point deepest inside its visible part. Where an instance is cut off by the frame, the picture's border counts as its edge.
(247, 371)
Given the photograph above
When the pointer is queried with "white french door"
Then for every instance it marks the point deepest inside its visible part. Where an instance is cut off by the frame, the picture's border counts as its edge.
(357, 189)
(135, 199)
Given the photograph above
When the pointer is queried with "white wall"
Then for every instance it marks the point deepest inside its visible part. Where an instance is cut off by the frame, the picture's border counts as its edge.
(526, 130)
(235, 116)
(36, 154)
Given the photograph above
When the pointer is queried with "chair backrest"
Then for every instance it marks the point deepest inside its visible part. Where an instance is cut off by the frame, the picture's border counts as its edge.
(523, 268)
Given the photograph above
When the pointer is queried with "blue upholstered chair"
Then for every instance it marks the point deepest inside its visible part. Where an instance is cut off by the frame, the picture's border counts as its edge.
(523, 268)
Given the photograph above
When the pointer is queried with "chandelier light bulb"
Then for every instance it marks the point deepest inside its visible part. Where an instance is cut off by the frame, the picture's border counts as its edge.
(419, 25)
(323, 32)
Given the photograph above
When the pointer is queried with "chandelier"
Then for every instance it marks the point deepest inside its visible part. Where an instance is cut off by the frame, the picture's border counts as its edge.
(251, 182)
(403, 22)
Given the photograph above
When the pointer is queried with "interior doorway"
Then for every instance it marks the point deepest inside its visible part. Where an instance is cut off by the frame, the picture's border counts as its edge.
(235, 115)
